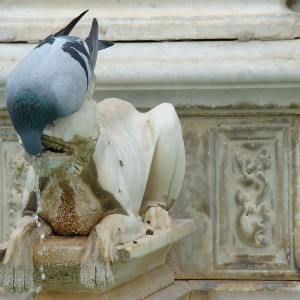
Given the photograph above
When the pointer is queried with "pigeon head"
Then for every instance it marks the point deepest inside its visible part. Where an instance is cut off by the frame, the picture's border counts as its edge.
(30, 114)
(51, 82)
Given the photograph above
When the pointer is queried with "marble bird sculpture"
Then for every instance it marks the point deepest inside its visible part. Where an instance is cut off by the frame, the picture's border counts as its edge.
(51, 82)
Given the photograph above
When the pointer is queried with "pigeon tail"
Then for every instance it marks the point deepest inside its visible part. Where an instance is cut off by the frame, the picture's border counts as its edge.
(92, 42)
(104, 44)
(66, 30)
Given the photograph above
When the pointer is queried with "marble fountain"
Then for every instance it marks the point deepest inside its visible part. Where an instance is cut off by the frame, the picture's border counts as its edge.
(231, 70)
(101, 180)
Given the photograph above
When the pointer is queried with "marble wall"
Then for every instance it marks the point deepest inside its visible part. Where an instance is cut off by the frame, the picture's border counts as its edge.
(241, 187)
(13, 168)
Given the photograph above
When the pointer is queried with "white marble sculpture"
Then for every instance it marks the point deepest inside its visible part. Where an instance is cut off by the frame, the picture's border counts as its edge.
(100, 170)
(103, 171)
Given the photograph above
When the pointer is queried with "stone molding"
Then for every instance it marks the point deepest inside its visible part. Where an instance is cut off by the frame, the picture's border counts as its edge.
(208, 74)
(134, 20)
(62, 256)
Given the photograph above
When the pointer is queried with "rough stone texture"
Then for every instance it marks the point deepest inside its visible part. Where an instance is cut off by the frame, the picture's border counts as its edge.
(13, 170)
(25, 296)
(180, 290)
(241, 189)
(184, 290)
(62, 256)
(137, 289)
(139, 272)
(244, 290)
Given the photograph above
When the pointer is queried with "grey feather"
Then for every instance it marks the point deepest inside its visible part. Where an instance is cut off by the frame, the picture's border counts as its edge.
(66, 30)
(92, 42)
(51, 82)
(104, 44)
(95, 45)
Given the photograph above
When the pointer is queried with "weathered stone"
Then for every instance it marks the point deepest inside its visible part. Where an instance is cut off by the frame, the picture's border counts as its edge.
(240, 188)
(131, 20)
(62, 255)
(244, 290)
(229, 96)
(137, 289)
(194, 75)
(180, 290)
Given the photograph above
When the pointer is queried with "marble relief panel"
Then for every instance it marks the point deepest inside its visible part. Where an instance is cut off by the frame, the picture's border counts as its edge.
(241, 188)
(13, 168)
(251, 197)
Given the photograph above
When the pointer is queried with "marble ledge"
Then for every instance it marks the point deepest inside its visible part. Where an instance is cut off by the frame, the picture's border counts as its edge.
(183, 290)
(189, 73)
(61, 259)
(226, 290)
(137, 289)
(244, 290)
(154, 20)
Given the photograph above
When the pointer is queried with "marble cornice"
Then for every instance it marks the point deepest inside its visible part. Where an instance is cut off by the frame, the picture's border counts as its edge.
(212, 74)
(148, 20)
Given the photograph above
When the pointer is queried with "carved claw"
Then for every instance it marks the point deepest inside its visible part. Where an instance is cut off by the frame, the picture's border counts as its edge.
(17, 267)
(96, 264)
(158, 217)
(96, 274)
(16, 278)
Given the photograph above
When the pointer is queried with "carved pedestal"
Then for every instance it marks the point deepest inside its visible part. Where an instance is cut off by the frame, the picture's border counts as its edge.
(13, 173)
(140, 271)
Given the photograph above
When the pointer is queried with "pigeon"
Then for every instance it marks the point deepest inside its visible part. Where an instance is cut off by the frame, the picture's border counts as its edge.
(51, 82)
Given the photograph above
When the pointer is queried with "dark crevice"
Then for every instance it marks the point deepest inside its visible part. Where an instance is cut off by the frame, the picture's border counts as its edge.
(145, 41)
(174, 40)
(293, 5)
